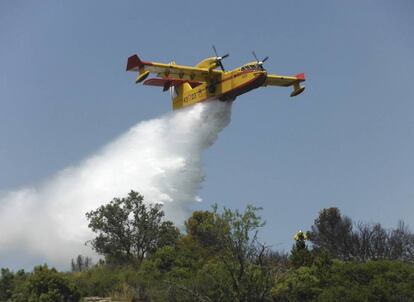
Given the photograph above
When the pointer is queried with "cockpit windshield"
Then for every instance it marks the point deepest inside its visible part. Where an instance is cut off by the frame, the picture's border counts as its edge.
(252, 67)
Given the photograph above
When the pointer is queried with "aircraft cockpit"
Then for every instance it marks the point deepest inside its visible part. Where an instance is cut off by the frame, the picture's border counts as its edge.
(253, 66)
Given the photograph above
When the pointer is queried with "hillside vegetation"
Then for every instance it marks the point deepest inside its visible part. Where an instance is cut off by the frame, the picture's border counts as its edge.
(220, 258)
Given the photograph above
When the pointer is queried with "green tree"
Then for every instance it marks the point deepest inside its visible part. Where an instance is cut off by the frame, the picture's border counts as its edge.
(81, 264)
(381, 280)
(243, 256)
(205, 228)
(6, 284)
(332, 232)
(128, 229)
(341, 239)
(47, 285)
(220, 259)
(374, 242)
(19, 286)
(299, 285)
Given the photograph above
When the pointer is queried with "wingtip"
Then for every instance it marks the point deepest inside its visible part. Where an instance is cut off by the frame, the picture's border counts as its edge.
(300, 76)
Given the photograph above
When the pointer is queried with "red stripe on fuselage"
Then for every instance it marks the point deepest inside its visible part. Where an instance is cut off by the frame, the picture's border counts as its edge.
(250, 85)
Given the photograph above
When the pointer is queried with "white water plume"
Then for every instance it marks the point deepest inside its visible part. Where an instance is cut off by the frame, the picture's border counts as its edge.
(160, 158)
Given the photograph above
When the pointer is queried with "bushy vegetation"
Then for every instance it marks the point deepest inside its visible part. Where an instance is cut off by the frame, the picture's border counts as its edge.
(382, 280)
(41, 285)
(220, 258)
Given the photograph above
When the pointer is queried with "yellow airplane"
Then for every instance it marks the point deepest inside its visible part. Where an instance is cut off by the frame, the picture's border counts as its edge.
(190, 85)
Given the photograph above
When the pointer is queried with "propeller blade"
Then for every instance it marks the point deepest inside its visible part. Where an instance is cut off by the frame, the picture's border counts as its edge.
(218, 58)
(254, 54)
(215, 51)
(265, 59)
(221, 65)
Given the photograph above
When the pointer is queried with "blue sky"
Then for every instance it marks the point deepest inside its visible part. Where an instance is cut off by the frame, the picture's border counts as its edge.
(347, 141)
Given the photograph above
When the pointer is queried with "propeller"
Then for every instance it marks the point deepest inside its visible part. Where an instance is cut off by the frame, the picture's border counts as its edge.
(219, 58)
(260, 63)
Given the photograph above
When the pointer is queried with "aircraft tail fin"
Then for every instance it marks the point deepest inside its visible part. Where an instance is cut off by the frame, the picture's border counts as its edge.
(134, 63)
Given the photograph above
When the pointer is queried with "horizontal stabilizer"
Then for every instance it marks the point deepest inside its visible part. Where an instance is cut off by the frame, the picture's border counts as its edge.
(142, 76)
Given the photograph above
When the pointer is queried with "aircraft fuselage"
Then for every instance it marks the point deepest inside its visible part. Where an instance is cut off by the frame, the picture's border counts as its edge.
(231, 85)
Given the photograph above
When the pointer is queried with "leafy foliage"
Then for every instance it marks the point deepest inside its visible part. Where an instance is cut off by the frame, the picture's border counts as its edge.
(332, 232)
(44, 285)
(128, 229)
(348, 281)
(220, 258)
(6, 284)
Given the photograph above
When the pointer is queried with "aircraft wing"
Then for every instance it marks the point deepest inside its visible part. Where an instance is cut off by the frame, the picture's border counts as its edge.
(285, 81)
(171, 70)
(166, 83)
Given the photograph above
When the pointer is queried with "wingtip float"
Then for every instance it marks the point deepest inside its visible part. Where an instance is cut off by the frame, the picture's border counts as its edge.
(190, 85)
